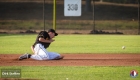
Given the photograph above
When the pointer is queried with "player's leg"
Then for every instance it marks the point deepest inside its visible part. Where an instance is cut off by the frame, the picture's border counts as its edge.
(54, 56)
(26, 56)
(43, 54)
(40, 53)
(36, 57)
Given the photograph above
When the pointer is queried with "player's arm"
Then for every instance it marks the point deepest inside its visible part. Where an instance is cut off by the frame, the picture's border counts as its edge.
(32, 48)
(45, 40)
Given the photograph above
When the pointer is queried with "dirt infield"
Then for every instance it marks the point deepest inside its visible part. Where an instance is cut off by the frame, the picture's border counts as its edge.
(75, 60)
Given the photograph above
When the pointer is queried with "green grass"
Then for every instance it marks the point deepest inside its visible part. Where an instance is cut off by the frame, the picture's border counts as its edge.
(76, 73)
(20, 43)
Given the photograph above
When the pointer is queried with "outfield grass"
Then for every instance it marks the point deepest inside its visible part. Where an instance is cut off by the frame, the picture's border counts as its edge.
(19, 44)
(76, 73)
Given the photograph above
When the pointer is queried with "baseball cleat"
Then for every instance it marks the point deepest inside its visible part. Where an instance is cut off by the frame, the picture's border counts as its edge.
(59, 58)
(25, 56)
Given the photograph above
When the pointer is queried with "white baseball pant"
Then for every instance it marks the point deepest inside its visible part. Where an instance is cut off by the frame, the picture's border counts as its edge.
(42, 54)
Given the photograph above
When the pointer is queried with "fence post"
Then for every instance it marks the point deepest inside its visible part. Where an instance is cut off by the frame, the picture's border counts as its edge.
(93, 30)
(44, 14)
(54, 14)
(138, 17)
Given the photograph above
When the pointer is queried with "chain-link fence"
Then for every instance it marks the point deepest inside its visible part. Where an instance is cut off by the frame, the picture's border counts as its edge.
(97, 17)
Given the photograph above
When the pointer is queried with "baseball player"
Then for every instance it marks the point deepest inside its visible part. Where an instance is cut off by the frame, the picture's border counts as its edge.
(39, 48)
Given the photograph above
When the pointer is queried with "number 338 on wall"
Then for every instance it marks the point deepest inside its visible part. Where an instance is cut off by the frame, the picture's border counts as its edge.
(72, 7)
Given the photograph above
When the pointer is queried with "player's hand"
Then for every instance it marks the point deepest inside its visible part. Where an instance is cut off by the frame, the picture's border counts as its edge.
(52, 40)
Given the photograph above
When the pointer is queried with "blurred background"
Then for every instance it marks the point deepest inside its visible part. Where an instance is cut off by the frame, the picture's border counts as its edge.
(97, 17)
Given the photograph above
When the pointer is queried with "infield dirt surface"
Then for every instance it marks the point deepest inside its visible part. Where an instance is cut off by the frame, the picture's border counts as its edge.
(75, 60)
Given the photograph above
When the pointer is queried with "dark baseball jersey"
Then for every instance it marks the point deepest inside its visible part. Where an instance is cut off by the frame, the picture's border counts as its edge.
(45, 35)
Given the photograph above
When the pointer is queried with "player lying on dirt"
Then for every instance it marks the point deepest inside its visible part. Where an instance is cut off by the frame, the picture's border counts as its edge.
(43, 40)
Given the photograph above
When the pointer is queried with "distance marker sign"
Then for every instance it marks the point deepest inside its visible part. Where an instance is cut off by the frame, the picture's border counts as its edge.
(72, 7)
